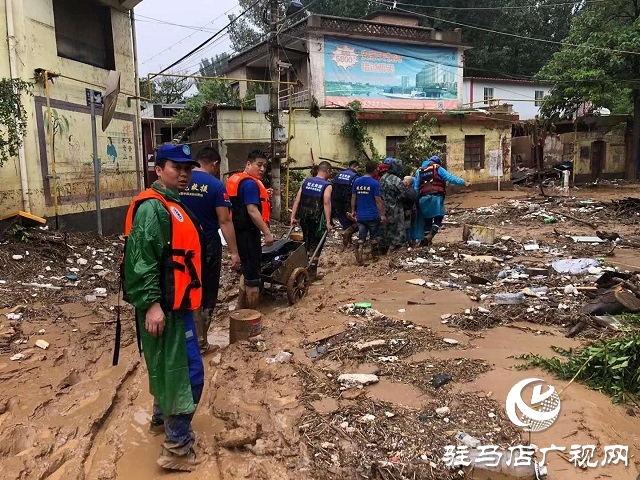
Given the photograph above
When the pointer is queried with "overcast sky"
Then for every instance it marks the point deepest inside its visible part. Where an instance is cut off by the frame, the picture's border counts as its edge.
(159, 44)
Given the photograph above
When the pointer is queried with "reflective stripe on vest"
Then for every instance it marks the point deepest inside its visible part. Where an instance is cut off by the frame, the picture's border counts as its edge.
(181, 271)
(233, 185)
(429, 180)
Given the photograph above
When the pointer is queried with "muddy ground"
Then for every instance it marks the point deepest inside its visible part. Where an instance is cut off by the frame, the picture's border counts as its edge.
(66, 413)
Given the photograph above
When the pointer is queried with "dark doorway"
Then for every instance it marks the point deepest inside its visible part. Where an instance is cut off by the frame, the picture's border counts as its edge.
(598, 153)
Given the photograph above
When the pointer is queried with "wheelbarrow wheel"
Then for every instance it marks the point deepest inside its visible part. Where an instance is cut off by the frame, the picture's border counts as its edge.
(298, 285)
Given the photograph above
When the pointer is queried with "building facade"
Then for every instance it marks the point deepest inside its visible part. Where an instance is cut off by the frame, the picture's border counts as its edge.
(77, 42)
(397, 70)
(525, 96)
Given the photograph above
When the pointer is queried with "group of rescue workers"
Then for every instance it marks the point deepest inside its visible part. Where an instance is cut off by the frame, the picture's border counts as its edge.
(173, 255)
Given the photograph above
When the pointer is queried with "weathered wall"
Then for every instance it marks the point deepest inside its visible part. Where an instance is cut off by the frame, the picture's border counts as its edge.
(324, 137)
(118, 147)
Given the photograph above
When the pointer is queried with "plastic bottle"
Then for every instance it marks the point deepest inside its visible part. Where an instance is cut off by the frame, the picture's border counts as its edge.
(502, 471)
(509, 298)
(467, 440)
(550, 220)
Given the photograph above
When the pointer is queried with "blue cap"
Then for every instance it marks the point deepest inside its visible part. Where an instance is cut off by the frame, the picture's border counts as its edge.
(176, 153)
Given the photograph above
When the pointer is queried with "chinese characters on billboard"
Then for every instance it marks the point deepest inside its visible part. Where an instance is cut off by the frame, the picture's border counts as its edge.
(390, 76)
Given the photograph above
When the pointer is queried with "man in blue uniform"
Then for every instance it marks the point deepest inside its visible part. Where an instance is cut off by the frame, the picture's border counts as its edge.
(368, 209)
(207, 199)
(341, 200)
(312, 208)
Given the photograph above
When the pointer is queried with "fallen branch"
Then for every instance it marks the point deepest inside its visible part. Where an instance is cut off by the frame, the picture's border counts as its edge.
(575, 219)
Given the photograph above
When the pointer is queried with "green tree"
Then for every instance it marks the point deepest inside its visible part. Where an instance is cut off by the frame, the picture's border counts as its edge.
(253, 27)
(166, 89)
(599, 66)
(209, 91)
(214, 66)
(418, 144)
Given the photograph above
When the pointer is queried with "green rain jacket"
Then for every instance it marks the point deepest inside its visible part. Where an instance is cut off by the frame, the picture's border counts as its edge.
(166, 356)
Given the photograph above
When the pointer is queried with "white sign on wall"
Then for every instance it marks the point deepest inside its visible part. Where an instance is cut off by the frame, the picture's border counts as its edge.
(495, 163)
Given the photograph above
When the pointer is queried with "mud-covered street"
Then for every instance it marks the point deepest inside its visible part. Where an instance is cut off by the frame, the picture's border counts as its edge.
(66, 413)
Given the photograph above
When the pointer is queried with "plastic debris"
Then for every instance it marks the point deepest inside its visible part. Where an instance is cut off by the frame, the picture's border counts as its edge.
(357, 379)
(281, 357)
(42, 344)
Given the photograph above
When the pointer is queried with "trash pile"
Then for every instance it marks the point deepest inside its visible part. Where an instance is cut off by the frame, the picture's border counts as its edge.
(363, 435)
(538, 289)
(376, 339)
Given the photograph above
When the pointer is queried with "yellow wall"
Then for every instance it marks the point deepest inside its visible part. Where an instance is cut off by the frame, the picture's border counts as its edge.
(615, 153)
(324, 137)
(36, 48)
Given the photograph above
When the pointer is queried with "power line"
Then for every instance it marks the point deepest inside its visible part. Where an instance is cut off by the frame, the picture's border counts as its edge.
(195, 50)
(515, 35)
(145, 19)
(522, 7)
(187, 37)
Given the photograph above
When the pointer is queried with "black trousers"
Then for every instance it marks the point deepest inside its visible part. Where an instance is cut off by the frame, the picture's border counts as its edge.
(250, 251)
(211, 269)
(313, 229)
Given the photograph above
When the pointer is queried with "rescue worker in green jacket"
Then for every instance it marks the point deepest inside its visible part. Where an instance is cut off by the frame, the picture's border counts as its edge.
(162, 280)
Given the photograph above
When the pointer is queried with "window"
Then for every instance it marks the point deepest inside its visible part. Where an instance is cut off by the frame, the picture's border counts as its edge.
(393, 144)
(539, 98)
(83, 32)
(488, 94)
(473, 152)
(442, 140)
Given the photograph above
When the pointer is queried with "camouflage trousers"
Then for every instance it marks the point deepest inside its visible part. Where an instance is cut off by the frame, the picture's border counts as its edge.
(393, 233)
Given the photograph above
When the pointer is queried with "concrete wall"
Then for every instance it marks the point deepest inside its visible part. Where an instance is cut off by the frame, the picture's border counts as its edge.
(120, 177)
(324, 137)
(520, 95)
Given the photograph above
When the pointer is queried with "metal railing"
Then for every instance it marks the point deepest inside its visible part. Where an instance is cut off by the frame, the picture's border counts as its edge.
(299, 99)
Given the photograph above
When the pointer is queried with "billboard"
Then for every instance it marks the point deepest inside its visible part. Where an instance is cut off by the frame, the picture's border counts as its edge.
(384, 75)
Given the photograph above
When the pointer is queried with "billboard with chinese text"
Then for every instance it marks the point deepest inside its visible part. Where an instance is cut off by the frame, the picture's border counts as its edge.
(383, 75)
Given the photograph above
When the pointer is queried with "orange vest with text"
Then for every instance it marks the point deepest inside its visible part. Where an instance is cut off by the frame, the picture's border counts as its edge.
(181, 271)
(240, 216)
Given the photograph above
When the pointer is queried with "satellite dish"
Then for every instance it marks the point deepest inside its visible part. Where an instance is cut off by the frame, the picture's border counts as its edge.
(110, 100)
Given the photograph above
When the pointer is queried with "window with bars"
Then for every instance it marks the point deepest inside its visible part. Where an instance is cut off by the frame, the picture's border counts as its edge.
(473, 152)
(488, 94)
(442, 140)
(539, 97)
(393, 144)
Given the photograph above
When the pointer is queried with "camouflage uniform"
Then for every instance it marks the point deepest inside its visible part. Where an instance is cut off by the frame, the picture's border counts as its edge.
(392, 190)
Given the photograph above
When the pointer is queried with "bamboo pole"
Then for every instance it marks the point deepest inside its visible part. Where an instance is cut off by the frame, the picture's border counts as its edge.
(52, 153)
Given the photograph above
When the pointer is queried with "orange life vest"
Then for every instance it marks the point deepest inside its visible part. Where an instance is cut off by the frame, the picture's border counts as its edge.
(181, 271)
(240, 216)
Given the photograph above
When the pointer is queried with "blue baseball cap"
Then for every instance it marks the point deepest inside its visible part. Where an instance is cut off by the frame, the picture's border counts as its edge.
(176, 153)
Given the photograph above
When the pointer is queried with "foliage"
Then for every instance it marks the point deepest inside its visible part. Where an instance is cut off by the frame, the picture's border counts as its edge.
(611, 367)
(296, 177)
(13, 116)
(214, 66)
(357, 131)
(166, 89)
(590, 73)
(210, 92)
(418, 144)
(253, 27)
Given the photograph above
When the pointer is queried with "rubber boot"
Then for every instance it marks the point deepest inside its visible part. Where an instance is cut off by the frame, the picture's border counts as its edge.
(170, 460)
(347, 235)
(253, 297)
(242, 296)
(375, 250)
(360, 252)
(427, 240)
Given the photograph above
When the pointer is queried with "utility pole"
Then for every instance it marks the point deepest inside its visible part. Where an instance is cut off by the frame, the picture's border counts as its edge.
(274, 94)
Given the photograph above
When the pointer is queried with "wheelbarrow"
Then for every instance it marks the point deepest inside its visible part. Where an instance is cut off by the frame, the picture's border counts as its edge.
(286, 264)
